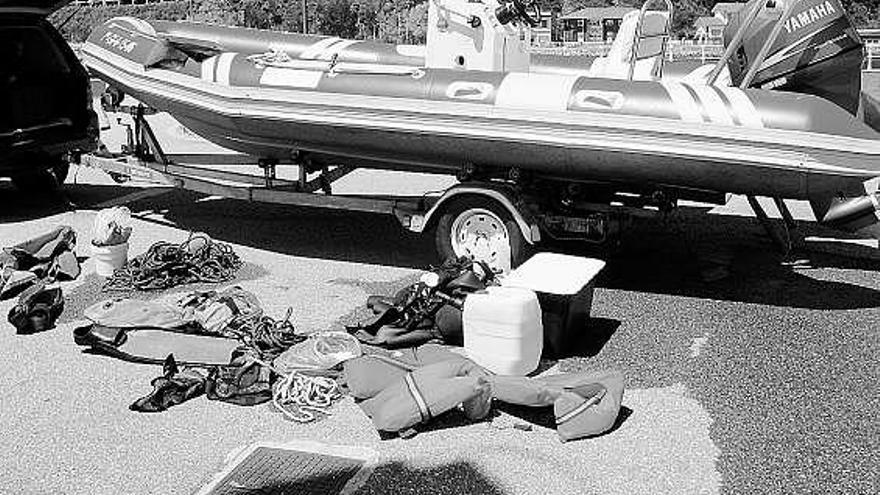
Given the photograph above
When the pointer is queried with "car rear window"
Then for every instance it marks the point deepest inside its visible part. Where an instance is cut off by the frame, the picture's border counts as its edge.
(30, 50)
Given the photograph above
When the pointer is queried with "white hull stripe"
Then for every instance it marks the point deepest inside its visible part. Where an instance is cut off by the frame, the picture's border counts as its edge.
(535, 91)
(728, 106)
(713, 106)
(290, 78)
(683, 102)
(209, 65)
(743, 107)
(335, 49)
(317, 48)
(224, 66)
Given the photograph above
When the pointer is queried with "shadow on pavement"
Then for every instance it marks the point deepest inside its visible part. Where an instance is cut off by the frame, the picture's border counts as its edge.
(16, 206)
(590, 343)
(390, 477)
(455, 477)
(696, 255)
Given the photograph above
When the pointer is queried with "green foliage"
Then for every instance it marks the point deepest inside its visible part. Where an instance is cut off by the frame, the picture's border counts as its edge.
(336, 17)
(227, 12)
(397, 21)
(76, 21)
(278, 15)
(685, 15)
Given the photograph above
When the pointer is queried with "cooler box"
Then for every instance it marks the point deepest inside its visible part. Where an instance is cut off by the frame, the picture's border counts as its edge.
(502, 330)
(564, 285)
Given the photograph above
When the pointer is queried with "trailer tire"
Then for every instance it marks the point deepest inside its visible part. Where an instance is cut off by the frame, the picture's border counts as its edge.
(481, 228)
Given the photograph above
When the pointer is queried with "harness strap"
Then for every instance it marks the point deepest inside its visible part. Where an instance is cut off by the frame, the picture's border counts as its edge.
(417, 396)
(592, 401)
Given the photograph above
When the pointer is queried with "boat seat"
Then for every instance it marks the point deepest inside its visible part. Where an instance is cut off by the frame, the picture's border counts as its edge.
(616, 64)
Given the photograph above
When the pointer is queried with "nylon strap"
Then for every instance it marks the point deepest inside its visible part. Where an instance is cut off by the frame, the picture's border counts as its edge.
(592, 401)
(417, 396)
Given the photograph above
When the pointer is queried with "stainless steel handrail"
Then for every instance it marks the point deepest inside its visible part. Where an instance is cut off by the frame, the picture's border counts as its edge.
(735, 42)
(658, 68)
(768, 43)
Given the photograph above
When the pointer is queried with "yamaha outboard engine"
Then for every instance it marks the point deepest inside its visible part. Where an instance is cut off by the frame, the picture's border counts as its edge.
(817, 52)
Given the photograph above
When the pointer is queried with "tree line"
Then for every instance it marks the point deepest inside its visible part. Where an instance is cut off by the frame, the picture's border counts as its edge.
(395, 21)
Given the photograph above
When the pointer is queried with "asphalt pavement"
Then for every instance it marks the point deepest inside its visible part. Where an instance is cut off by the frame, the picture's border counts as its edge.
(746, 372)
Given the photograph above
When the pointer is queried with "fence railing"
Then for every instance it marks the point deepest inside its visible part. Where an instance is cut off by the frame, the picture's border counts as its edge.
(119, 2)
(872, 59)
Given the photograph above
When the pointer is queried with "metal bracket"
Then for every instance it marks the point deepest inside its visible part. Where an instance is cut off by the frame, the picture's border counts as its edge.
(785, 240)
(268, 166)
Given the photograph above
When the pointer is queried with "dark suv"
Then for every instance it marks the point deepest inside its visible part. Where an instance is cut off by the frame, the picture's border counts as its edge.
(45, 98)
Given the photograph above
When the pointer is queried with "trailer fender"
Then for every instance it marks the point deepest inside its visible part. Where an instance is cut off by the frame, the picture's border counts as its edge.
(508, 199)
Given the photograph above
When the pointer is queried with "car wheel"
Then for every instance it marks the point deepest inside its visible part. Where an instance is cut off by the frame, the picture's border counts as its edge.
(480, 228)
(43, 180)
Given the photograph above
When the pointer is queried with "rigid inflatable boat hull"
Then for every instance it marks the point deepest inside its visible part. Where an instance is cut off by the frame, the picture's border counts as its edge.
(644, 134)
(410, 150)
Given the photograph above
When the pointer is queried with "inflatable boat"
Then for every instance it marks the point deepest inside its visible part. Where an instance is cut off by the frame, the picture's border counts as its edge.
(469, 100)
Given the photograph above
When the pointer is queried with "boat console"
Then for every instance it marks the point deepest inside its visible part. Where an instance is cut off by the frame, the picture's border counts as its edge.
(487, 36)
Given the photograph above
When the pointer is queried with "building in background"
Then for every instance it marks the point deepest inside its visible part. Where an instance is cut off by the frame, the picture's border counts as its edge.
(723, 10)
(593, 24)
(542, 33)
(709, 30)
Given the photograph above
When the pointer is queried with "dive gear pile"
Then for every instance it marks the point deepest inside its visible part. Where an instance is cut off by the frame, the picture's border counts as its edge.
(402, 392)
(165, 265)
(221, 343)
(427, 311)
(37, 309)
(28, 268)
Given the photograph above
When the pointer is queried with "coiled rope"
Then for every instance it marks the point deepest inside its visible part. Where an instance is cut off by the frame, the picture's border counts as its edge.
(267, 336)
(302, 397)
(164, 265)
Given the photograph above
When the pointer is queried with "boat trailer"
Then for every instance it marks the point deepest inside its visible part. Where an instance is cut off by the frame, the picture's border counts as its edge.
(463, 216)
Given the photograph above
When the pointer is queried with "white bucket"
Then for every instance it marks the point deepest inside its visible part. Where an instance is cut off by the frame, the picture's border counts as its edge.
(109, 258)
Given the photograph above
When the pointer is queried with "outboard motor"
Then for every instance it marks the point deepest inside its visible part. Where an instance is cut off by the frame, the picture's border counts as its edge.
(817, 52)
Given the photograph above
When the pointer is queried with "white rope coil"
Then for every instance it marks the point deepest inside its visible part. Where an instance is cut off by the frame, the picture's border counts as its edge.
(300, 396)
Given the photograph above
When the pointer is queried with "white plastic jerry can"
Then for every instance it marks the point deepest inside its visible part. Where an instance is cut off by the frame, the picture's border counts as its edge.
(503, 331)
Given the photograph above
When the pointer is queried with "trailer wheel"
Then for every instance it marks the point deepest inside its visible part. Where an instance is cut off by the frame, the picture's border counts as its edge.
(480, 228)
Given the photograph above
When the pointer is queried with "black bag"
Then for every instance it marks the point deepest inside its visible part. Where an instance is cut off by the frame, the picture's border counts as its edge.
(172, 388)
(244, 382)
(37, 309)
(420, 313)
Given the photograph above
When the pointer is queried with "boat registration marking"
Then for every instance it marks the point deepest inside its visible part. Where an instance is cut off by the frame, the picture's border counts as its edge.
(293, 78)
